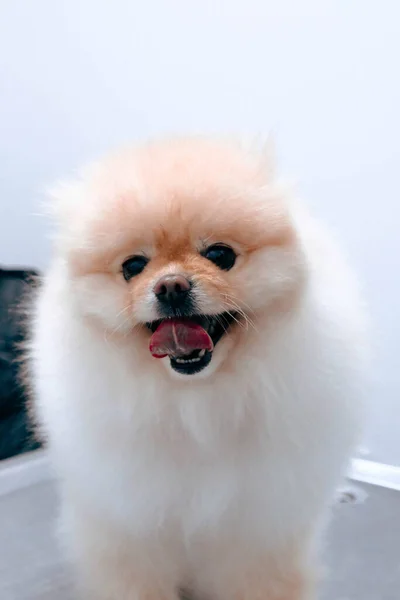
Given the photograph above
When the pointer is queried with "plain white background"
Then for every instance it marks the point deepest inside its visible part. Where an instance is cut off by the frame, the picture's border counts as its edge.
(79, 77)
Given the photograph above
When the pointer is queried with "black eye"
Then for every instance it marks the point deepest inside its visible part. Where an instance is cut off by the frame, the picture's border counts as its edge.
(222, 256)
(133, 266)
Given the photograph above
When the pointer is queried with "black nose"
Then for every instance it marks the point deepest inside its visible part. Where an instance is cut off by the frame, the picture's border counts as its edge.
(173, 292)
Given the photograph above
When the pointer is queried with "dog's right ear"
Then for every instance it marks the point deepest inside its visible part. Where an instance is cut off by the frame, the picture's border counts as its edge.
(67, 198)
(60, 200)
(67, 203)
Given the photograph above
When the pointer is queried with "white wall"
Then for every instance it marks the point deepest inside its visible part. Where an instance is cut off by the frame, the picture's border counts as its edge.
(79, 76)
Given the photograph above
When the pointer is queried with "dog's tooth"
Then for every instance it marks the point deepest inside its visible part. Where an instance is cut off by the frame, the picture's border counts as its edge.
(202, 353)
(186, 361)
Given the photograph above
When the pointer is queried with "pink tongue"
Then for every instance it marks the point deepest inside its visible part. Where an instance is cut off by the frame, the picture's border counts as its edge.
(178, 337)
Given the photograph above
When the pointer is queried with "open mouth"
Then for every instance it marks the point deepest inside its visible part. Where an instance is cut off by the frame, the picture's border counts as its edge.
(189, 342)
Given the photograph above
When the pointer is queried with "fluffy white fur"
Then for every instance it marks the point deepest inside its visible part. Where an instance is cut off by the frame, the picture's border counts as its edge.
(218, 484)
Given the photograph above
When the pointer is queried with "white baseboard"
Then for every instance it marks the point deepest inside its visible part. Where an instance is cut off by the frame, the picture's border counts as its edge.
(374, 473)
(31, 469)
(24, 471)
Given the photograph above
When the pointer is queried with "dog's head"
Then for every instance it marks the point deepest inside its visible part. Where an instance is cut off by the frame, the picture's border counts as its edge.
(180, 246)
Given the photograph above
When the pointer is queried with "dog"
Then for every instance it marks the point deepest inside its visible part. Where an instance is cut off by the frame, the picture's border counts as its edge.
(198, 358)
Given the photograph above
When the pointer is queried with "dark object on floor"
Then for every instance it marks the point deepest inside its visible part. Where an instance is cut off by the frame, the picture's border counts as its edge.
(15, 434)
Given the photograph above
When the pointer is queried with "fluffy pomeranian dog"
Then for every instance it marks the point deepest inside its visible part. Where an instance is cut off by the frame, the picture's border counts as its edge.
(197, 359)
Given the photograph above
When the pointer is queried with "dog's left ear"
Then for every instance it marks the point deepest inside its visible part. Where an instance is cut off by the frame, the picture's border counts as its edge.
(268, 156)
(264, 150)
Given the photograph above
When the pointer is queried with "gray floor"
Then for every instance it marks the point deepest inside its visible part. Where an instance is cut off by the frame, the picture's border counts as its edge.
(363, 544)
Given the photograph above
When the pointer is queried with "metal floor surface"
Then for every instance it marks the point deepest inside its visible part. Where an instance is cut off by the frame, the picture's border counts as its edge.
(362, 546)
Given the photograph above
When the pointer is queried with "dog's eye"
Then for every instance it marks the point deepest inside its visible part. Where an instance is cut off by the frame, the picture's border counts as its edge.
(222, 256)
(133, 266)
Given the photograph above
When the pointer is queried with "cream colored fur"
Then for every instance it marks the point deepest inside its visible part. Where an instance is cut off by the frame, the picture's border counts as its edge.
(219, 483)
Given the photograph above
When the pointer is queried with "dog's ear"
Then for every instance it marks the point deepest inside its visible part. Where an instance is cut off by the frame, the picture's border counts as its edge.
(65, 198)
(268, 156)
(263, 151)
(68, 202)
(60, 204)
(60, 200)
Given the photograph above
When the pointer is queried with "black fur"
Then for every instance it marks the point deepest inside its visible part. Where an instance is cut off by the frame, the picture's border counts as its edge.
(16, 435)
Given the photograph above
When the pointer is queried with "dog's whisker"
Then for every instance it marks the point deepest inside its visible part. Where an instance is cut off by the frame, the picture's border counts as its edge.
(123, 323)
(235, 298)
(233, 306)
(233, 317)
